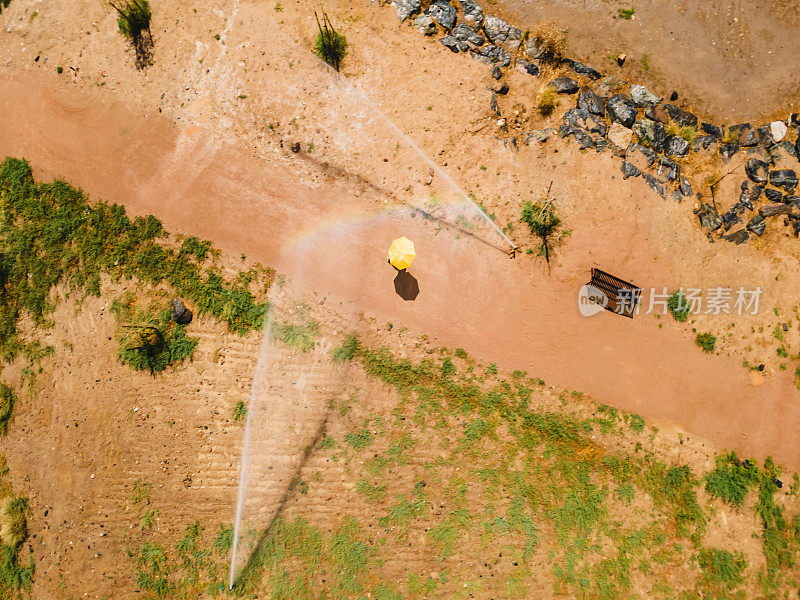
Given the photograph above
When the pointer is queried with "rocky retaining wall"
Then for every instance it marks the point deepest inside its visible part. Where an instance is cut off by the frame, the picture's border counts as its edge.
(645, 132)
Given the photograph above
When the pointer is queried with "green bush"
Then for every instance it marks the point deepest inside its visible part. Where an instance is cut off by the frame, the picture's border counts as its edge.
(151, 342)
(330, 45)
(678, 306)
(705, 341)
(626, 13)
(348, 349)
(239, 411)
(52, 236)
(732, 479)
(134, 23)
(543, 222)
(722, 568)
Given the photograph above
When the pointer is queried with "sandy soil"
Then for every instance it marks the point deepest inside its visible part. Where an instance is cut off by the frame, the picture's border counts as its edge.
(213, 164)
(731, 61)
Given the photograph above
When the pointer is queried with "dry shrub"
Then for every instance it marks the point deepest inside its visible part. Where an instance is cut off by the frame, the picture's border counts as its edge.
(551, 40)
(547, 101)
(13, 526)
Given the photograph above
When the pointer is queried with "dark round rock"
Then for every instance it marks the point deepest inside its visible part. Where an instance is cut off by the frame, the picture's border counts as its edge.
(673, 96)
(564, 85)
(180, 313)
(497, 72)
(621, 109)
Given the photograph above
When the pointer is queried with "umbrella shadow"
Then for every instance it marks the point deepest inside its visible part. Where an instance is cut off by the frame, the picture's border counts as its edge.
(406, 285)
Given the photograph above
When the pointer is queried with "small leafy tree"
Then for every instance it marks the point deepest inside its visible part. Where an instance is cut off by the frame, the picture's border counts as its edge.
(543, 221)
(330, 45)
(134, 23)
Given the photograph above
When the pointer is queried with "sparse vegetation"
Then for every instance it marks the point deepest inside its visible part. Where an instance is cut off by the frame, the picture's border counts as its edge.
(678, 306)
(14, 577)
(330, 45)
(52, 236)
(551, 41)
(7, 400)
(705, 341)
(133, 19)
(547, 101)
(687, 132)
(543, 221)
(626, 13)
(239, 411)
(347, 351)
(150, 341)
(300, 336)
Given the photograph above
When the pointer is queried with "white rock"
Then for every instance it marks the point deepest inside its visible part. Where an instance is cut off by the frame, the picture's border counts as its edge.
(778, 130)
(642, 96)
(620, 136)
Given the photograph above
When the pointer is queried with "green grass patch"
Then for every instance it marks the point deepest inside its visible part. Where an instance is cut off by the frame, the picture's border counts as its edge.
(52, 236)
(7, 400)
(732, 479)
(347, 351)
(705, 341)
(678, 306)
(151, 342)
(301, 337)
(626, 13)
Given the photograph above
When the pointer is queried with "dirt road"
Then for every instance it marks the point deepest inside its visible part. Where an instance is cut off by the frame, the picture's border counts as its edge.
(514, 313)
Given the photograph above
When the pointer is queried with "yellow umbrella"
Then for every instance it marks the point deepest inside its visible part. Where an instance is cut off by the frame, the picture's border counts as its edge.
(402, 253)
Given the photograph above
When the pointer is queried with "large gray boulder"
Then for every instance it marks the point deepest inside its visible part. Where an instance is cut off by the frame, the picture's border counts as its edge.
(490, 54)
(564, 85)
(466, 35)
(592, 102)
(785, 178)
(641, 96)
(622, 110)
(709, 217)
(582, 69)
(443, 13)
(425, 24)
(502, 34)
(681, 117)
(406, 8)
(651, 133)
(675, 145)
(473, 13)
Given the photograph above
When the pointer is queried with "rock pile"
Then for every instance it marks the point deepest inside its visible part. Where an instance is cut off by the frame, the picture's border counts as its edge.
(646, 132)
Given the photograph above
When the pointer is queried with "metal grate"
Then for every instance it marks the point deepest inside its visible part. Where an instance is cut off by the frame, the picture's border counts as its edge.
(623, 297)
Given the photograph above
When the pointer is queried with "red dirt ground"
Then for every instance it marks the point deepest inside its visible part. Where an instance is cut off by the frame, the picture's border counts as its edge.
(471, 296)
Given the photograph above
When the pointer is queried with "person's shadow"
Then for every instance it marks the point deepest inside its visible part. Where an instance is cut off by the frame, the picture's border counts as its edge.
(406, 285)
